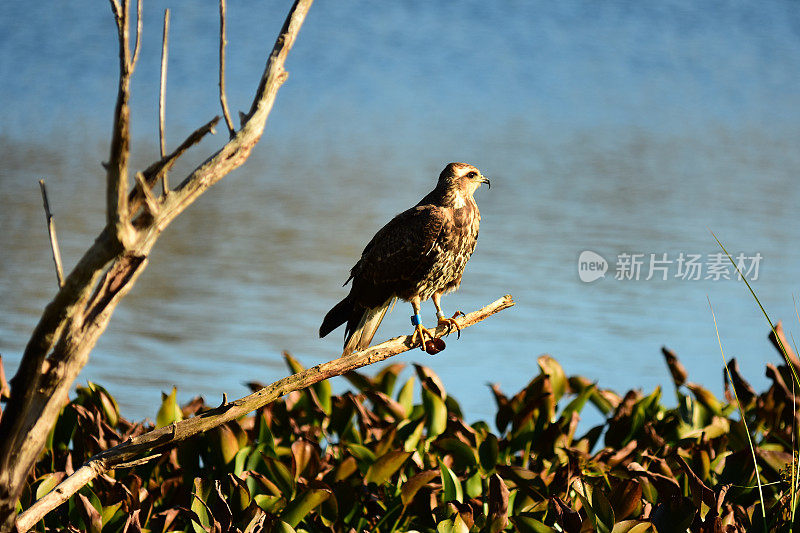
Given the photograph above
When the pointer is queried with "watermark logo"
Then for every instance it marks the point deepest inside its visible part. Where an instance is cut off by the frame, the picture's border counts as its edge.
(591, 266)
(662, 266)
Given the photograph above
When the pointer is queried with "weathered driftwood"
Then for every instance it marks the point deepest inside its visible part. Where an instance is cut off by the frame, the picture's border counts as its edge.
(73, 321)
(157, 440)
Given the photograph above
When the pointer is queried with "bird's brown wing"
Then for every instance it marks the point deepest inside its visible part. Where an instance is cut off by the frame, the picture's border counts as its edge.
(397, 256)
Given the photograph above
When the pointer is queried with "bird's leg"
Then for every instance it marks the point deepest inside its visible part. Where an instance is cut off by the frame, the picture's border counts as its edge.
(419, 330)
(444, 321)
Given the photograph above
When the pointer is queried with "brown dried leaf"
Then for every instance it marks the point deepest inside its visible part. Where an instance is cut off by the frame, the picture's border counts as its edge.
(568, 518)
(676, 368)
(627, 495)
(412, 486)
(304, 455)
(498, 504)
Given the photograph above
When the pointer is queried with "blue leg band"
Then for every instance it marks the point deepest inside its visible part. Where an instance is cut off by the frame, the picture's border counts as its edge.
(416, 320)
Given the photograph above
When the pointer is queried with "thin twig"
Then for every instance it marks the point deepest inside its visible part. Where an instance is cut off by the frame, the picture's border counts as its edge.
(157, 439)
(150, 203)
(138, 34)
(140, 461)
(51, 230)
(153, 172)
(162, 97)
(222, 42)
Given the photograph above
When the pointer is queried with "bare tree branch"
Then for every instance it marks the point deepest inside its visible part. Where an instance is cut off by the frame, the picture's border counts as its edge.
(135, 57)
(162, 97)
(152, 173)
(222, 42)
(51, 230)
(70, 325)
(117, 167)
(168, 436)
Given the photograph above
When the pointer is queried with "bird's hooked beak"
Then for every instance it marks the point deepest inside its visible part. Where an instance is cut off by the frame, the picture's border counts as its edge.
(485, 180)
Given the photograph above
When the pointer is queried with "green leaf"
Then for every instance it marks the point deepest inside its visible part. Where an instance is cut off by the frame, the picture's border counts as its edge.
(463, 455)
(706, 398)
(362, 454)
(48, 482)
(200, 494)
(645, 409)
(265, 434)
(453, 525)
(410, 434)
(107, 403)
(430, 381)
(383, 469)
(634, 526)
(280, 475)
(600, 399)
(474, 485)
(299, 507)
(294, 365)
(451, 485)
(578, 403)
(489, 451)
(225, 443)
(169, 411)
(109, 512)
(456, 525)
(283, 527)
(526, 523)
(558, 379)
(387, 377)
(435, 413)
(269, 503)
(324, 395)
(603, 511)
(445, 526)
(240, 460)
(406, 395)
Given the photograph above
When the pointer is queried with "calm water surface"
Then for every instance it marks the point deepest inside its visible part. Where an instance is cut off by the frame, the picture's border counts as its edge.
(614, 127)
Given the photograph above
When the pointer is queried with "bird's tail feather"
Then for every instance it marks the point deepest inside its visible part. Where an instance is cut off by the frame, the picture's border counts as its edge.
(361, 327)
(338, 315)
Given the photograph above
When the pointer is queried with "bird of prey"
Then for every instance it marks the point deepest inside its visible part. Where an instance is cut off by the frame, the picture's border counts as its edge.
(420, 254)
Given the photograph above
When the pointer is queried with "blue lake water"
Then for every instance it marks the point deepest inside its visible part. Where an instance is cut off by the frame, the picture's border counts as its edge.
(615, 127)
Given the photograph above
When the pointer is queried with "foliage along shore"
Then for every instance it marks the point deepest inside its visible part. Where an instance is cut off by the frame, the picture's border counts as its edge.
(385, 458)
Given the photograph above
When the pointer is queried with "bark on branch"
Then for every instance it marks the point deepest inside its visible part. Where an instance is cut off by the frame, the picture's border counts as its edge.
(72, 322)
(157, 440)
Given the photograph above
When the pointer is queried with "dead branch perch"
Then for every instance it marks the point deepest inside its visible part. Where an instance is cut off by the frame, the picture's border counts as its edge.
(168, 436)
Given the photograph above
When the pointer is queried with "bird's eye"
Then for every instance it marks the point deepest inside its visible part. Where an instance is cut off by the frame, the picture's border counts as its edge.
(472, 174)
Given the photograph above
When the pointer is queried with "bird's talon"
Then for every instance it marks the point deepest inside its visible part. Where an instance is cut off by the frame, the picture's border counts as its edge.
(458, 314)
(419, 335)
(450, 323)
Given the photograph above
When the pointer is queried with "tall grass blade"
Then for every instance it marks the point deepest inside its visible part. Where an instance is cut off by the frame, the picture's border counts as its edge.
(741, 410)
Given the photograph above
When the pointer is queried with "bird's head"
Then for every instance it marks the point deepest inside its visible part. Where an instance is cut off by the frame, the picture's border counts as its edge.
(463, 178)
